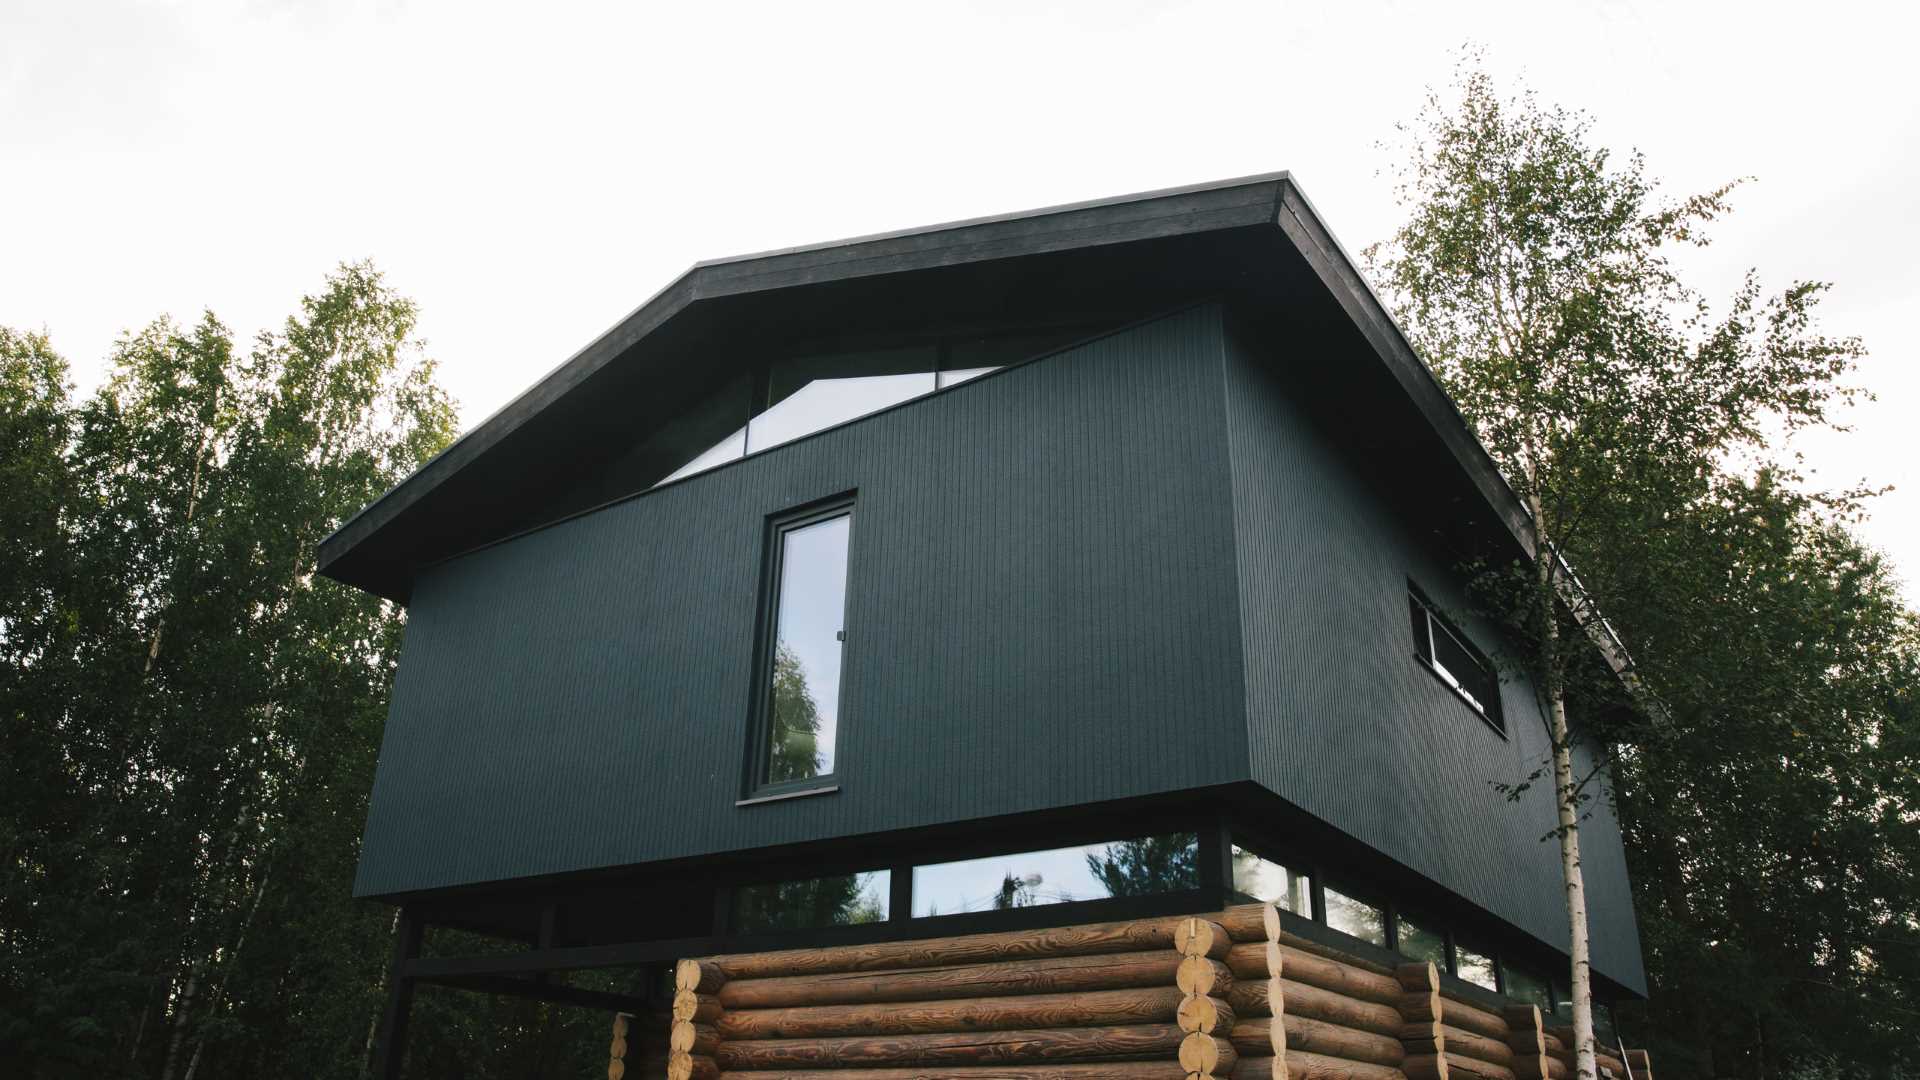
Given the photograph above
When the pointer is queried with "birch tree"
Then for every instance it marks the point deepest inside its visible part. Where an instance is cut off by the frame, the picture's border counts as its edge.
(1534, 273)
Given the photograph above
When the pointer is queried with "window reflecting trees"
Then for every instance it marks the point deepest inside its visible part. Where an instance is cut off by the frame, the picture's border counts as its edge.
(803, 696)
(1139, 867)
(837, 900)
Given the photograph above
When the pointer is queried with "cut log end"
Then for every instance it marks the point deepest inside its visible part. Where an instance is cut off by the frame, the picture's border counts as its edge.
(1201, 937)
(1199, 1053)
(1204, 1014)
(698, 976)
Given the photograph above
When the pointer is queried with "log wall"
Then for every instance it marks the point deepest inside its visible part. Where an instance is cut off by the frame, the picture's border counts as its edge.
(1230, 995)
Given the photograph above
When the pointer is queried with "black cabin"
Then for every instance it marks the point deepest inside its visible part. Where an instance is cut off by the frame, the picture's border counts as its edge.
(1097, 561)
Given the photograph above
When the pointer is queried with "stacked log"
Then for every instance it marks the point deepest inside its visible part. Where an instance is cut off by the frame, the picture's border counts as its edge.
(1137, 1000)
(1560, 1047)
(617, 1050)
(1307, 1012)
(1231, 995)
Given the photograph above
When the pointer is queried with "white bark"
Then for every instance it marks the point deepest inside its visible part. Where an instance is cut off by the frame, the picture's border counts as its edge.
(1567, 806)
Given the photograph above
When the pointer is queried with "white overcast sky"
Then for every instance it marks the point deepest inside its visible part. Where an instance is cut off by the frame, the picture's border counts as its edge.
(530, 172)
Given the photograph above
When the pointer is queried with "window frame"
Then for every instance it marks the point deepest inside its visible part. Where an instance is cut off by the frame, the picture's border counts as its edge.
(756, 787)
(1493, 713)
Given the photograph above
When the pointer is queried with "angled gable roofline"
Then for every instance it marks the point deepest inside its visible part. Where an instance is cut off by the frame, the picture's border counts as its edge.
(1092, 223)
(1270, 200)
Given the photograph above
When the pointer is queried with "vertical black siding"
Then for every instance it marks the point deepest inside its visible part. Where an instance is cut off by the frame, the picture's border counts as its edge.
(1345, 723)
(1042, 613)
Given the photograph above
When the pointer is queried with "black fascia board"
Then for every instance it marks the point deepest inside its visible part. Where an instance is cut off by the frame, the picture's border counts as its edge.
(551, 424)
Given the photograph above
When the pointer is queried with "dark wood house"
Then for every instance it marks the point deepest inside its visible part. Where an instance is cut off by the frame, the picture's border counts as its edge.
(1089, 567)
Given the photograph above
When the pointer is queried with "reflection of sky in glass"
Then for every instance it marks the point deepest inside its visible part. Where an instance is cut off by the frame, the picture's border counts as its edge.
(1266, 880)
(972, 885)
(1473, 967)
(1419, 943)
(813, 603)
(1529, 987)
(725, 450)
(1356, 917)
(823, 403)
(960, 375)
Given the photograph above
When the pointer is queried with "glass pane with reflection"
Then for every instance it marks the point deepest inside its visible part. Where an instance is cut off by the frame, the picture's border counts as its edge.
(1475, 967)
(814, 393)
(960, 375)
(1529, 986)
(1268, 881)
(1417, 942)
(1142, 867)
(839, 900)
(803, 706)
(711, 432)
(1356, 917)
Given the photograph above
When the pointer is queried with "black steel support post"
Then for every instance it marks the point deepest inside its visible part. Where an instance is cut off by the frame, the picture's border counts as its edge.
(1215, 856)
(391, 1052)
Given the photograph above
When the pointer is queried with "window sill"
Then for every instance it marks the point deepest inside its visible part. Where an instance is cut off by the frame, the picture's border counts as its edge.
(782, 796)
(1472, 707)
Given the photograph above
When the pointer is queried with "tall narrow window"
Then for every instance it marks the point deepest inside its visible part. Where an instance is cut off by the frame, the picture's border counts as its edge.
(1448, 654)
(800, 709)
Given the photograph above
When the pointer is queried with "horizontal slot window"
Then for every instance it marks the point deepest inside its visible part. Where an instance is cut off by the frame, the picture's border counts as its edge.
(1418, 941)
(809, 904)
(788, 399)
(1269, 882)
(1449, 655)
(1530, 986)
(1142, 867)
(1475, 967)
(1356, 917)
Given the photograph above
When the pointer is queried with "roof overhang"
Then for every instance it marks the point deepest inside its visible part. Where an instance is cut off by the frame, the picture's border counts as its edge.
(1255, 241)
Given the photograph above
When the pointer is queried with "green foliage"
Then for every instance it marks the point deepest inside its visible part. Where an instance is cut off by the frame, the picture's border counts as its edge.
(188, 717)
(1765, 768)
(1148, 866)
(837, 900)
(794, 719)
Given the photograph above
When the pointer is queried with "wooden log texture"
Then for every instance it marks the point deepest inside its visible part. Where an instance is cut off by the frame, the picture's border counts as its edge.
(1254, 960)
(1563, 1033)
(1565, 1055)
(1475, 1045)
(1255, 997)
(1096, 938)
(699, 976)
(1468, 1016)
(1199, 936)
(1261, 922)
(1111, 971)
(1117, 1043)
(1462, 1067)
(1258, 960)
(1260, 1036)
(683, 1066)
(1146, 1005)
(693, 1039)
(1301, 1065)
(1109, 1070)
(1544, 1068)
(1420, 1009)
(1203, 975)
(1198, 1012)
(1527, 1038)
(1204, 1055)
(1299, 999)
(696, 1008)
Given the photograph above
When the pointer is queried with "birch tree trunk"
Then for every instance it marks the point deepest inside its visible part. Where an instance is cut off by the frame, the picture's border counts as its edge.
(1566, 801)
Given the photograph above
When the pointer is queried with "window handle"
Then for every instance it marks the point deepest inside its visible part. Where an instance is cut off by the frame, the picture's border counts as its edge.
(839, 635)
